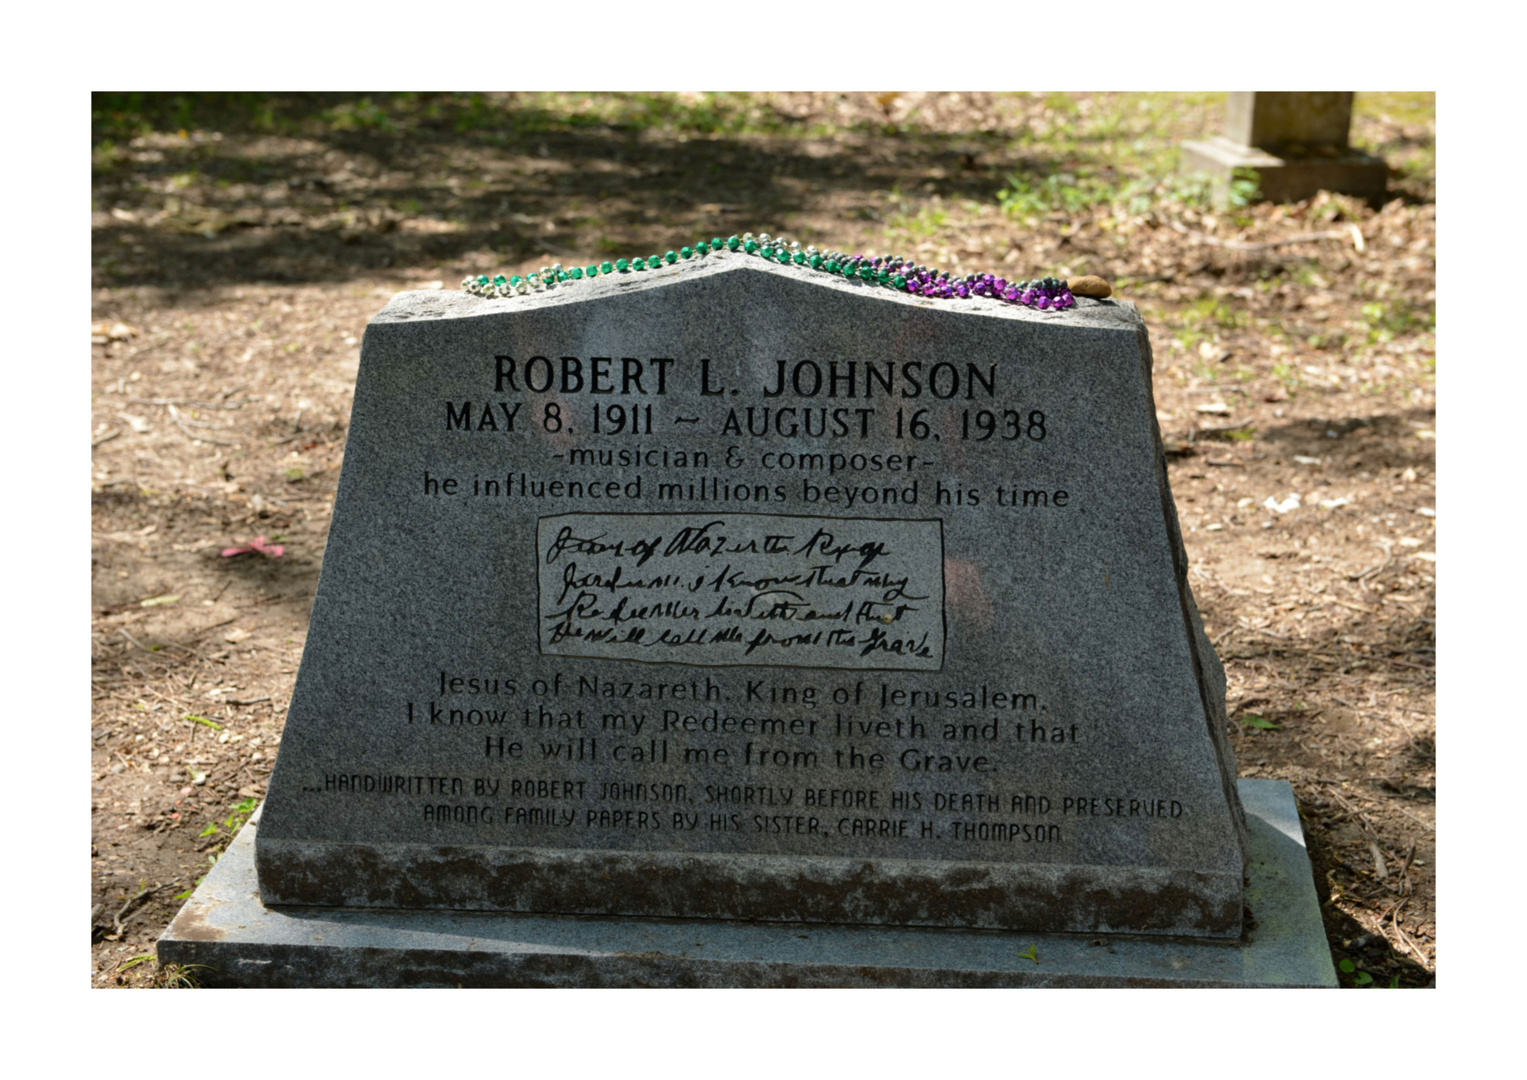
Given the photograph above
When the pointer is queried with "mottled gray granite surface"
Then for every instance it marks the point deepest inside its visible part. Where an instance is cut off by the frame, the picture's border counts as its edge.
(733, 591)
(234, 940)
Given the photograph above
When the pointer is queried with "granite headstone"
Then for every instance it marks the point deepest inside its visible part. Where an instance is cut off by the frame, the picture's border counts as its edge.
(729, 590)
(1296, 144)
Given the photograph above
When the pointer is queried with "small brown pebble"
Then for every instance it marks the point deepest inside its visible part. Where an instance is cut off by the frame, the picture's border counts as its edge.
(1091, 285)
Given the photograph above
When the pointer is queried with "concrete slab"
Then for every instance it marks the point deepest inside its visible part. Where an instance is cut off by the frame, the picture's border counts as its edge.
(1286, 179)
(227, 933)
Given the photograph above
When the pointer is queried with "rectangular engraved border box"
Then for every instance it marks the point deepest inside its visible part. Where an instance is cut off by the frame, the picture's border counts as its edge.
(731, 590)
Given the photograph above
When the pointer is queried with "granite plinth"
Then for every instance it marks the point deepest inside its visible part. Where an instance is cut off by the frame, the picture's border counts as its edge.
(1286, 179)
(731, 590)
(233, 939)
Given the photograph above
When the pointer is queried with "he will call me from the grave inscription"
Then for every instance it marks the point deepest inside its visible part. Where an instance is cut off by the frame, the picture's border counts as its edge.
(731, 592)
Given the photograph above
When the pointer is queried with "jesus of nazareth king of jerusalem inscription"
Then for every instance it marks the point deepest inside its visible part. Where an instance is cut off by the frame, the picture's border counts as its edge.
(727, 591)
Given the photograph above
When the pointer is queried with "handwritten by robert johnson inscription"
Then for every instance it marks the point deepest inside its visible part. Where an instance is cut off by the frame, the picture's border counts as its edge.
(758, 589)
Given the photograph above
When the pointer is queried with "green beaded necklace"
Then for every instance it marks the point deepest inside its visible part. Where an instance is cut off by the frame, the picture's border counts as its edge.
(887, 270)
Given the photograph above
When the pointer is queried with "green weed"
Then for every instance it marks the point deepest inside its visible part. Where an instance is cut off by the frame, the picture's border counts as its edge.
(128, 965)
(231, 824)
(1363, 979)
(1287, 374)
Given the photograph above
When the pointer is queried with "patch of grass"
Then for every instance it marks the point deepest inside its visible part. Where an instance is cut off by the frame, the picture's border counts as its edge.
(177, 977)
(1401, 107)
(1113, 150)
(122, 117)
(361, 115)
(1212, 312)
(1287, 374)
(1029, 197)
(1333, 339)
(701, 114)
(927, 221)
(1385, 320)
(106, 155)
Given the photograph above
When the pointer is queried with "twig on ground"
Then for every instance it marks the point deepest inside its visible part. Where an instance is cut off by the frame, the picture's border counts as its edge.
(123, 631)
(1260, 245)
(1218, 429)
(1302, 238)
(198, 633)
(1352, 809)
(172, 402)
(181, 423)
(116, 920)
(1388, 558)
(1406, 944)
(107, 437)
(1350, 604)
(1425, 825)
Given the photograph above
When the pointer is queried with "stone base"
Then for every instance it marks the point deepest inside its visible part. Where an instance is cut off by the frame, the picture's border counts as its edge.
(1285, 179)
(234, 940)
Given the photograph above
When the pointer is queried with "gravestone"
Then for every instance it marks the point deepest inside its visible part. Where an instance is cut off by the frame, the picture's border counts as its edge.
(741, 603)
(1295, 142)
(734, 591)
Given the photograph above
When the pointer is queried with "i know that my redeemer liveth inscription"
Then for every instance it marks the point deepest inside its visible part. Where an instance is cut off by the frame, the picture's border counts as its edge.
(729, 592)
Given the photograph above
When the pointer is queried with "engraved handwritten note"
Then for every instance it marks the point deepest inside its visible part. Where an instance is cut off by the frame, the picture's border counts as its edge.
(723, 589)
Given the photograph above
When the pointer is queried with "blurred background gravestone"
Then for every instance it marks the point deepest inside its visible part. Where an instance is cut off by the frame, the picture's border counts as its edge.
(1295, 142)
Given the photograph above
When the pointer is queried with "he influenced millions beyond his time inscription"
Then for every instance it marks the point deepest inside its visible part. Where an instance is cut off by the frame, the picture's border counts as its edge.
(731, 592)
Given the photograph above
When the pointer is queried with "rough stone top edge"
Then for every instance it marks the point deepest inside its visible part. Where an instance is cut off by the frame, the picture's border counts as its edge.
(419, 306)
(758, 861)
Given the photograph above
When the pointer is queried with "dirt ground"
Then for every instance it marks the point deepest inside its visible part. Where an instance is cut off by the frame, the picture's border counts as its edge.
(241, 245)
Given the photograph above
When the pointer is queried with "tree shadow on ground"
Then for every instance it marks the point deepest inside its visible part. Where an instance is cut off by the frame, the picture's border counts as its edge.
(287, 190)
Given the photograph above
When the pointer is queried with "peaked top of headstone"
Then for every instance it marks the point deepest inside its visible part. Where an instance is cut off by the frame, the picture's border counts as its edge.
(454, 304)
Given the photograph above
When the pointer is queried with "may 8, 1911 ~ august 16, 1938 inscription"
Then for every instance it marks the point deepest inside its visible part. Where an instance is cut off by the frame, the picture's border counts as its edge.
(727, 591)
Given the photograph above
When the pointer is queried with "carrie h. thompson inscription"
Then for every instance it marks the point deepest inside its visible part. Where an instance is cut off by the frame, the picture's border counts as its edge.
(724, 589)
